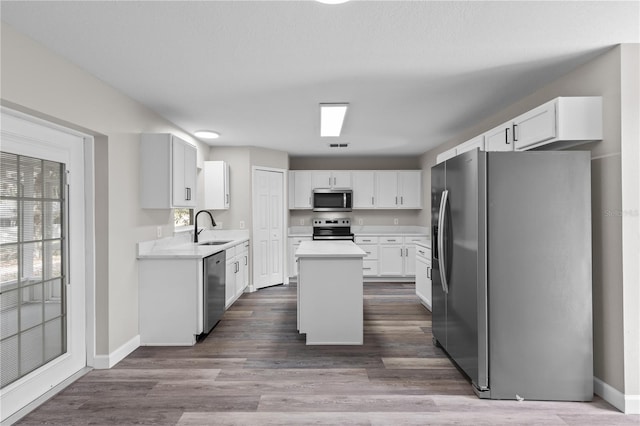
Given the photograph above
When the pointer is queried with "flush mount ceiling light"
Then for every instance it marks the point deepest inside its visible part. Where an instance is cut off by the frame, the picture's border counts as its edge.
(332, 1)
(331, 119)
(207, 134)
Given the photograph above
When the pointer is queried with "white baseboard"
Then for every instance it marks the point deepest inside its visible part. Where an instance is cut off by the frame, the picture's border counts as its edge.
(103, 362)
(628, 404)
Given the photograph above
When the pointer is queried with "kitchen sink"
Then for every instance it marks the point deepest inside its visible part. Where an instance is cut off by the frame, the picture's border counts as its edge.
(214, 243)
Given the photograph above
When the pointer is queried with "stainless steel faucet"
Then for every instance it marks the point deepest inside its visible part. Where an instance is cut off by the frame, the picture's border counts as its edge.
(195, 224)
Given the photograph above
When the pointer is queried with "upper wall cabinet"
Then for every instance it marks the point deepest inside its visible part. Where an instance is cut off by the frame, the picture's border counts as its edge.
(562, 122)
(399, 189)
(216, 185)
(557, 124)
(300, 189)
(499, 138)
(168, 172)
(363, 189)
(330, 179)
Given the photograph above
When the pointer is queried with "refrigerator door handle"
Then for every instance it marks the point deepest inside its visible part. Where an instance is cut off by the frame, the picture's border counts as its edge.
(441, 258)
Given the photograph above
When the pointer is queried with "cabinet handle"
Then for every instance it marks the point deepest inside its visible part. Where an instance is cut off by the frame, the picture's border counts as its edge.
(429, 273)
(366, 269)
(237, 267)
(227, 198)
(371, 200)
(246, 261)
(329, 181)
(506, 136)
(401, 252)
(391, 241)
(515, 139)
(406, 252)
(401, 200)
(334, 181)
(420, 251)
(186, 194)
(368, 252)
(396, 200)
(366, 241)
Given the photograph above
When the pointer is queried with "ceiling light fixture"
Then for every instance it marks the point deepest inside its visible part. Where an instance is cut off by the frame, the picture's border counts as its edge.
(331, 119)
(207, 134)
(332, 1)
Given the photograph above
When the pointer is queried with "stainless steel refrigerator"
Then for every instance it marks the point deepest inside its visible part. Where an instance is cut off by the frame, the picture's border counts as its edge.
(511, 259)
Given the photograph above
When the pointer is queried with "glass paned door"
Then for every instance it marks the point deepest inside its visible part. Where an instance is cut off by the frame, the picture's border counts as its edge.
(32, 259)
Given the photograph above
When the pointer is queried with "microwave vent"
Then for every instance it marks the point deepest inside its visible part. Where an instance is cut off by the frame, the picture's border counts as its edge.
(338, 145)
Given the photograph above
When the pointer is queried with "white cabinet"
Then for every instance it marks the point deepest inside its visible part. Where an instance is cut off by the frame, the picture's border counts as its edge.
(300, 189)
(363, 189)
(443, 156)
(237, 272)
(399, 189)
(423, 275)
(294, 243)
(410, 189)
(370, 261)
(471, 144)
(499, 138)
(568, 120)
(330, 179)
(391, 256)
(242, 277)
(168, 172)
(216, 185)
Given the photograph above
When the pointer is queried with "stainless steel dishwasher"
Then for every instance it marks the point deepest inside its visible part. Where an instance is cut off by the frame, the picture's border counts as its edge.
(214, 289)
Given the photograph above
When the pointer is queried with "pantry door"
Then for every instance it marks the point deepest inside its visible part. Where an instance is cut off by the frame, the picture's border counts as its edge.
(42, 255)
(268, 227)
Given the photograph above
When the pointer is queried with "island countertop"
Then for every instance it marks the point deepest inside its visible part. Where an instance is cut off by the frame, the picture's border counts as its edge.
(329, 249)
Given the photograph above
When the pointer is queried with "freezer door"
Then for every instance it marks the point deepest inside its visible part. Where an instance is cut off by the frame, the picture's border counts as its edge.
(464, 239)
(438, 303)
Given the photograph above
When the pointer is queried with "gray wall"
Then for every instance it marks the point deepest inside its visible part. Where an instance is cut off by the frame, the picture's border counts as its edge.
(601, 76)
(39, 82)
(359, 217)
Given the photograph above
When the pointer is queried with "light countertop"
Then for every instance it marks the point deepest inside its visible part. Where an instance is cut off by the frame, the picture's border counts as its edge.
(180, 247)
(329, 249)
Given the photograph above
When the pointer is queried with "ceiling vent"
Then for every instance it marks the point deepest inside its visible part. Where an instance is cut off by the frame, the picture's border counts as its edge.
(338, 145)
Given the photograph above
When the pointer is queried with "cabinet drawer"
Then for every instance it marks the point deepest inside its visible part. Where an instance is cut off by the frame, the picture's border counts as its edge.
(416, 239)
(391, 240)
(231, 252)
(366, 240)
(371, 250)
(424, 253)
(369, 267)
(298, 240)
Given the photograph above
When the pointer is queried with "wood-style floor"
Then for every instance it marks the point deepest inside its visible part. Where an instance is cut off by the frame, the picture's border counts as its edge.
(255, 369)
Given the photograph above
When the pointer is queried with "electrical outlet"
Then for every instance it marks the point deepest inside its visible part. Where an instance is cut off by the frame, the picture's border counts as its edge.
(360, 221)
(218, 225)
(242, 224)
(158, 231)
(395, 220)
(301, 222)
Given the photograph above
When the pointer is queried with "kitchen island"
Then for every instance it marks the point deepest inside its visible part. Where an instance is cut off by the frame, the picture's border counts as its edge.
(330, 292)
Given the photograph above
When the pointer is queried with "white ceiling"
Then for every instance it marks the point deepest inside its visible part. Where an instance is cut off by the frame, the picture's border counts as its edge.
(414, 72)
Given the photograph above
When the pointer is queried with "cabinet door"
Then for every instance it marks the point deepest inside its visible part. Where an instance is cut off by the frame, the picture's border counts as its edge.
(178, 173)
(321, 179)
(386, 190)
(190, 174)
(390, 259)
(363, 190)
(410, 189)
(230, 284)
(423, 281)
(302, 189)
(499, 138)
(216, 185)
(537, 125)
(410, 260)
(471, 144)
(341, 179)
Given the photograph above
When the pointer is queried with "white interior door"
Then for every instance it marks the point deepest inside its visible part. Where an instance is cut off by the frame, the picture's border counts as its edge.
(268, 227)
(42, 269)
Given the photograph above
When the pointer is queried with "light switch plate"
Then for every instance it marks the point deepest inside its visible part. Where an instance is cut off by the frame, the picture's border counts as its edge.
(158, 231)
(395, 220)
(242, 224)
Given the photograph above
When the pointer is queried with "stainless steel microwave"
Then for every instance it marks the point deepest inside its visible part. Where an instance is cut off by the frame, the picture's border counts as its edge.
(332, 200)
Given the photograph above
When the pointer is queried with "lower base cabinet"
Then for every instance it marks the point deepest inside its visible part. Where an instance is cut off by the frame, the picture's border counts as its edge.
(423, 275)
(237, 275)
